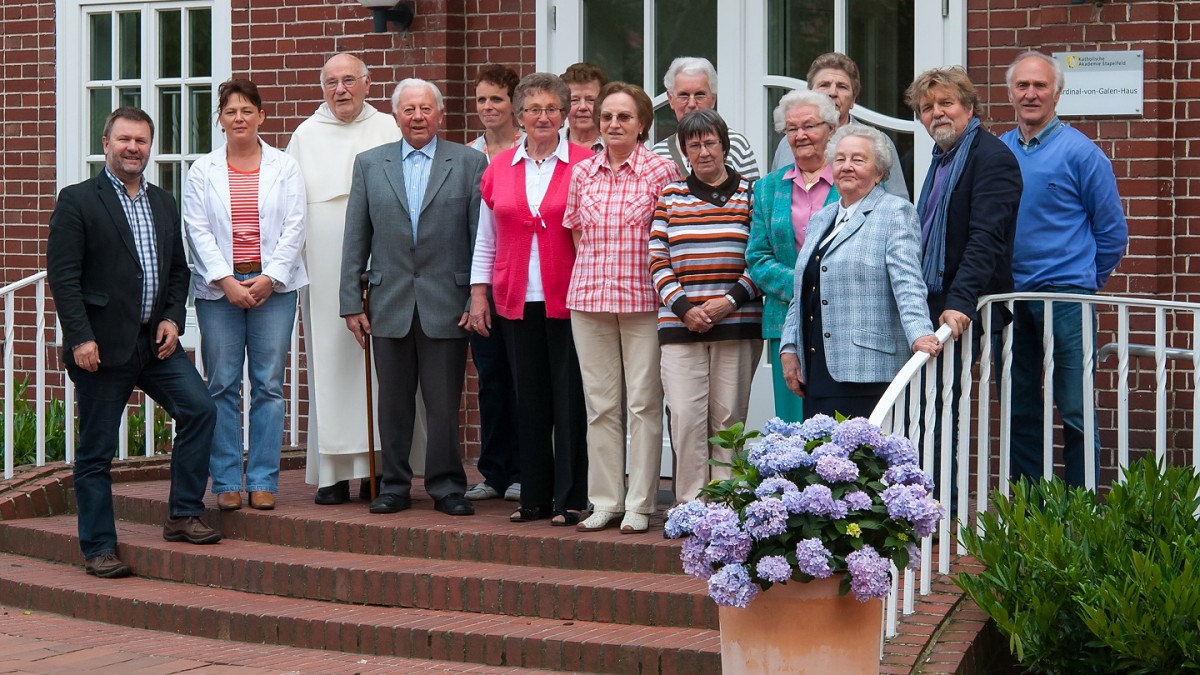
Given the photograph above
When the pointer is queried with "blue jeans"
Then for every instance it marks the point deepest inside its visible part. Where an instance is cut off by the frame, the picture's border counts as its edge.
(102, 395)
(1027, 392)
(230, 333)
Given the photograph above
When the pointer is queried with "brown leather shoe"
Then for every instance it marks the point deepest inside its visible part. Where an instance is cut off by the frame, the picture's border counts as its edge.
(262, 500)
(190, 529)
(106, 566)
(229, 501)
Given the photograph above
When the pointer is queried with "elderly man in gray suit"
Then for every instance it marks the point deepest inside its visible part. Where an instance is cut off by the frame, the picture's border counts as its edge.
(412, 212)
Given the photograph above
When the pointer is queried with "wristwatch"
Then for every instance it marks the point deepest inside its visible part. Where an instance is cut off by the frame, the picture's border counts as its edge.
(731, 300)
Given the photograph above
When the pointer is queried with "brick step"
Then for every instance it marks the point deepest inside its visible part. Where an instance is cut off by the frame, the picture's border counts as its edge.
(494, 640)
(420, 532)
(355, 578)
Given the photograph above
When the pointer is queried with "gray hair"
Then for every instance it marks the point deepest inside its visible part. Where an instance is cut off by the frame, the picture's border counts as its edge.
(690, 65)
(700, 123)
(798, 97)
(879, 145)
(1059, 77)
(411, 82)
(535, 83)
(362, 67)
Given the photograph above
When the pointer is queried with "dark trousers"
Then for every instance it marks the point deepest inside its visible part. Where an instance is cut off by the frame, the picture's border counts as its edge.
(499, 452)
(102, 396)
(551, 416)
(438, 365)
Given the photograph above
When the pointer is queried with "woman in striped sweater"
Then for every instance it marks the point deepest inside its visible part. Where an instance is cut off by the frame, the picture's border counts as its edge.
(710, 321)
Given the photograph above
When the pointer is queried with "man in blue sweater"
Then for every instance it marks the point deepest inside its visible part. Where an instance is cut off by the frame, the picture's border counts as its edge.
(1071, 234)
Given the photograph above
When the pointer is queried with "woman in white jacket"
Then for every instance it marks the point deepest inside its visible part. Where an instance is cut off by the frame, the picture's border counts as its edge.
(243, 210)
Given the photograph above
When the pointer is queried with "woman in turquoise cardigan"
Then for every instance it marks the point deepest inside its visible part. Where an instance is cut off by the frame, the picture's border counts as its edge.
(783, 203)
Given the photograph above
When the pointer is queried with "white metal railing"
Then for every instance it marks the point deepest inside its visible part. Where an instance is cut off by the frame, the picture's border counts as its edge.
(38, 319)
(1135, 330)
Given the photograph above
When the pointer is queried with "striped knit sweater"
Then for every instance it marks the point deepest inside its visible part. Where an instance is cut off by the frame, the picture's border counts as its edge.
(698, 252)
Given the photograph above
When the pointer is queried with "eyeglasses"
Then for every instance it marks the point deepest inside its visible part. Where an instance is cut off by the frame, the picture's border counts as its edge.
(548, 111)
(807, 129)
(696, 146)
(698, 97)
(622, 118)
(347, 82)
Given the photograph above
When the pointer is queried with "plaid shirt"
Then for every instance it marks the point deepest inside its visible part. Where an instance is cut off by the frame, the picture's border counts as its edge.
(613, 211)
(141, 222)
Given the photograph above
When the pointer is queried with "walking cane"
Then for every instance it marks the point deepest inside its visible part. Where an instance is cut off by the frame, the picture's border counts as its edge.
(366, 285)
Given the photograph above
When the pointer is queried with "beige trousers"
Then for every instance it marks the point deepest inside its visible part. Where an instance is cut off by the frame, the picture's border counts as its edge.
(619, 354)
(707, 386)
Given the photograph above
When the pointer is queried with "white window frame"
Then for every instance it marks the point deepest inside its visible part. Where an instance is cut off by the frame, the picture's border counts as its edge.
(72, 67)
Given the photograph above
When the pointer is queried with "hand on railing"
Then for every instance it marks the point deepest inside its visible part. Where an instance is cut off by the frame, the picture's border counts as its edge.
(957, 321)
(929, 344)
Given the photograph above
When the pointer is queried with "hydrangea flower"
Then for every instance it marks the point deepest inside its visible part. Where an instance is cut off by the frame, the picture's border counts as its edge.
(817, 426)
(858, 431)
(914, 556)
(911, 503)
(870, 574)
(729, 544)
(836, 469)
(831, 450)
(854, 530)
(766, 518)
(682, 519)
(813, 558)
(907, 474)
(730, 586)
(714, 516)
(778, 454)
(897, 450)
(692, 557)
(817, 500)
(774, 568)
(857, 500)
(776, 425)
(780, 488)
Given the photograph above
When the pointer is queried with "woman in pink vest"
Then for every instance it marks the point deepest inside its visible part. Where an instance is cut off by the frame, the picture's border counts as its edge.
(523, 252)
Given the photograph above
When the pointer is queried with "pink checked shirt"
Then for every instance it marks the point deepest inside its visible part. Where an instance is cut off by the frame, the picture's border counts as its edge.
(613, 211)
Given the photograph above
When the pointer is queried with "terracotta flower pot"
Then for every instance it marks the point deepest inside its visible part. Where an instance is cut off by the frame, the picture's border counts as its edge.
(802, 628)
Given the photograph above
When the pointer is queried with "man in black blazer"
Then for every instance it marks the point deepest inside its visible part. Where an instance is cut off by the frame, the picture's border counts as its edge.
(119, 278)
(968, 210)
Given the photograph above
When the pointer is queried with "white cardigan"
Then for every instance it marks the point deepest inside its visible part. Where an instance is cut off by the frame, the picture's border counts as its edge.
(209, 226)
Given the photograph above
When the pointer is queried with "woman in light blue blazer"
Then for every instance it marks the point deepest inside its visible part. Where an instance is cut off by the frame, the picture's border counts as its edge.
(243, 210)
(858, 309)
(784, 201)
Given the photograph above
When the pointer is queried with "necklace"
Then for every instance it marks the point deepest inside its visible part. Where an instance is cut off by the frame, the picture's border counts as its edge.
(811, 177)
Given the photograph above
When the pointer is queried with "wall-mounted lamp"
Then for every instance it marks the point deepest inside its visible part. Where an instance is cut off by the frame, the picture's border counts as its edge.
(399, 13)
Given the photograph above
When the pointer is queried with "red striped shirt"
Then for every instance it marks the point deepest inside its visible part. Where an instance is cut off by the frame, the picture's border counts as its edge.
(243, 211)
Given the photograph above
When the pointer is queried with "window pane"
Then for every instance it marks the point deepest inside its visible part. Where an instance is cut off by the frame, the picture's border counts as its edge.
(130, 44)
(168, 179)
(773, 96)
(101, 56)
(670, 42)
(170, 45)
(99, 106)
(798, 31)
(664, 122)
(200, 42)
(169, 120)
(200, 107)
(130, 96)
(613, 37)
(879, 37)
(93, 168)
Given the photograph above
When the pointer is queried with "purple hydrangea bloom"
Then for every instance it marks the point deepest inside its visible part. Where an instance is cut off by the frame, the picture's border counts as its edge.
(813, 558)
(910, 502)
(858, 431)
(837, 469)
(831, 449)
(682, 519)
(839, 510)
(857, 500)
(714, 516)
(783, 489)
(914, 556)
(729, 544)
(897, 450)
(817, 500)
(731, 586)
(774, 568)
(692, 556)
(817, 426)
(907, 474)
(766, 518)
(776, 425)
(777, 454)
(870, 574)
(926, 522)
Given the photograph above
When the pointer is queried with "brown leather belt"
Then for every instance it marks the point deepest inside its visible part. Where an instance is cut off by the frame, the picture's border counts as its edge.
(247, 267)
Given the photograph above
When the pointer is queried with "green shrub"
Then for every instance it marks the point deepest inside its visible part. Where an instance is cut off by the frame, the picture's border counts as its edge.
(1080, 586)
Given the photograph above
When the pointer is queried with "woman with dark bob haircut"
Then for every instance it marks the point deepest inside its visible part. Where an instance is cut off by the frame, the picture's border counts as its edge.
(243, 210)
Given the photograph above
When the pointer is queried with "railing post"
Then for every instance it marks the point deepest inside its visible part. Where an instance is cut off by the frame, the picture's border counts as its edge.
(1048, 387)
(1088, 373)
(1160, 384)
(9, 450)
(39, 360)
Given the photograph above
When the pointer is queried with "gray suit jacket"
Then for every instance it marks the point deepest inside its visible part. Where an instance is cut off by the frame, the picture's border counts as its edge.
(434, 275)
(872, 293)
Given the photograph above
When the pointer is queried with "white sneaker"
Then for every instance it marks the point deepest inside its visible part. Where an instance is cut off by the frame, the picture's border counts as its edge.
(513, 493)
(482, 491)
